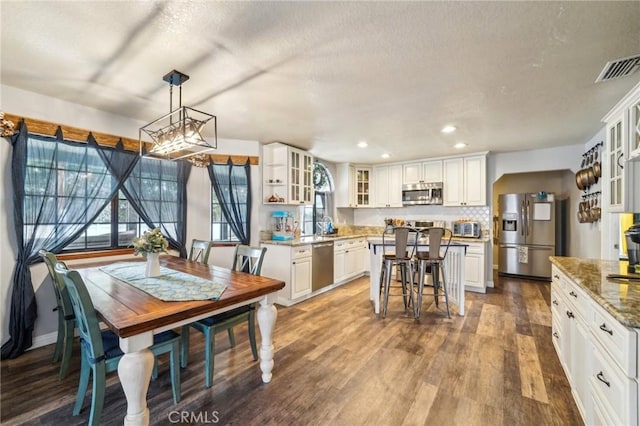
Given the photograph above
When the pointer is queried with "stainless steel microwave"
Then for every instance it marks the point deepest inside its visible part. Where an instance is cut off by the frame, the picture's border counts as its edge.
(422, 193)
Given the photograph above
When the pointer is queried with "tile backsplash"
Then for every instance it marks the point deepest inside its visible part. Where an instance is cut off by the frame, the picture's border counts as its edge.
(375, 217)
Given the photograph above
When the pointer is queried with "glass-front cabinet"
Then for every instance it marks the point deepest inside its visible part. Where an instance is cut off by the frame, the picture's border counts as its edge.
(288, 175)
(622, 173)
(635, 131)
(363, 187)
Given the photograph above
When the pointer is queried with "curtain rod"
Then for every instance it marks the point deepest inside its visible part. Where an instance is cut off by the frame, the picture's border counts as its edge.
(76, 134)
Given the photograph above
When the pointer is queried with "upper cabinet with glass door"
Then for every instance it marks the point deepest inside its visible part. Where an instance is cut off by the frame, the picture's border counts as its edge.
(622, 168)
(287, 175)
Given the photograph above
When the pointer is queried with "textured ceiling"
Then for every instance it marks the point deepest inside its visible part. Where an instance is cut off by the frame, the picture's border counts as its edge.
(326, 75)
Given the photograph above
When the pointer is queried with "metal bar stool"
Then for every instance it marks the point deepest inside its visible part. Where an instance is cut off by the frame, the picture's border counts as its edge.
(433, 261)
(401, 257)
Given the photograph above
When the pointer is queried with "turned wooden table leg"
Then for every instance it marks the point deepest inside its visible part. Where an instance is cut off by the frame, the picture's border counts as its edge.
(267, 315)
(134, 371)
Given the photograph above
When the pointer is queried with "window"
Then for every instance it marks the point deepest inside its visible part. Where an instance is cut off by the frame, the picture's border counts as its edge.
(232, 180)
(323, 185)
(66, 184)
(220, 228)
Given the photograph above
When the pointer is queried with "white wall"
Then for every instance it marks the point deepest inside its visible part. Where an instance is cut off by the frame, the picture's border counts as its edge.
(32, 105)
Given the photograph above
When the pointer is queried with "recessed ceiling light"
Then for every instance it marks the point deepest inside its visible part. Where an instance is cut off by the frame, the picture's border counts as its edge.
(448, 129)
(363, 144)
(460, 145)
(385, 155)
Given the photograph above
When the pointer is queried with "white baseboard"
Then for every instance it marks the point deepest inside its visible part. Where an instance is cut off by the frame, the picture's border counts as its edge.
(44, 340)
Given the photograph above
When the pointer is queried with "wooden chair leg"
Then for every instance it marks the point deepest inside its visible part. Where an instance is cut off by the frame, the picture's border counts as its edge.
(97, 396)
(60, 339)
(175, 372)
(209, 355)
(83, 383)
(232, 337)
(252, 333)
(184, 358)
(67, 349)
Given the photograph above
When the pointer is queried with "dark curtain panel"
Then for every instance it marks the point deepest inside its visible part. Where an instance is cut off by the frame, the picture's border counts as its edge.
(232, 185)
(59, 190)
(157, 190)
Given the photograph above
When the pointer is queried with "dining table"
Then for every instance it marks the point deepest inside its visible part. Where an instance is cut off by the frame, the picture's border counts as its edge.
(135, 316)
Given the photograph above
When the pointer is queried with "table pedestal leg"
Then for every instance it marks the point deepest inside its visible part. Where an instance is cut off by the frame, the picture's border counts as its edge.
(134, 371)
(267, 314)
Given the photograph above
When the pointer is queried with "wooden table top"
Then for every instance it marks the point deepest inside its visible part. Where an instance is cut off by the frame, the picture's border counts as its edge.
(129, 311)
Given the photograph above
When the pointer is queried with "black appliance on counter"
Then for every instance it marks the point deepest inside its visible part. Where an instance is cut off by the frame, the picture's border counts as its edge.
(632, 236)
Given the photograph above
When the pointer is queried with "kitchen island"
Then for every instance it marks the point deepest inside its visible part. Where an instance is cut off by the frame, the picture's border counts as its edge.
(454, 269)
(595, 325)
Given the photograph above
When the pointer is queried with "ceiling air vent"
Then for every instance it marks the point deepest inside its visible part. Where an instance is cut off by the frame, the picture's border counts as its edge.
(619, 68)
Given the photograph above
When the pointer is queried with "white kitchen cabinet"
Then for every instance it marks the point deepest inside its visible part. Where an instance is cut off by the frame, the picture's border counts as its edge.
(621, 165)
(574, 338)
(353, 186)
(287, 175)
(475, 267)
(465, 181)
(426, 171)
(291, 264)
(300, 277)
(350, 256)
(388, 186)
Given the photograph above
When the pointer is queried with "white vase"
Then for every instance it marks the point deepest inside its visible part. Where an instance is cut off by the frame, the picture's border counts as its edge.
(153, 265)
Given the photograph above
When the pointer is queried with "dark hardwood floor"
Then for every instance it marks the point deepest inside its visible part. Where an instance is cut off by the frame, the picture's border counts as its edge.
(336, 364)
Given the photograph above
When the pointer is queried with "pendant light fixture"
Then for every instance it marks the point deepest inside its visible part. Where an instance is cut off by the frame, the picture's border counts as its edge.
(177, 135)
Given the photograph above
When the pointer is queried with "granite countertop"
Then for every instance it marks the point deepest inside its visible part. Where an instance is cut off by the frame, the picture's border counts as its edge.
(312, 239)
(620, 299)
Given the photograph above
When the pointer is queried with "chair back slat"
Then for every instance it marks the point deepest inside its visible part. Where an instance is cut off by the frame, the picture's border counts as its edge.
(248, 259)
(200, 250)
(60, 290)
(86, 318)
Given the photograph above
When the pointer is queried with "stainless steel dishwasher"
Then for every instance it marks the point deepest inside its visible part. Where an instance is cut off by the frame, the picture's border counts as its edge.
(321, 265)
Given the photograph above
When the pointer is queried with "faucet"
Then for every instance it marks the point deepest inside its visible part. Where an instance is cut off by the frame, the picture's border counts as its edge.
(326, 221)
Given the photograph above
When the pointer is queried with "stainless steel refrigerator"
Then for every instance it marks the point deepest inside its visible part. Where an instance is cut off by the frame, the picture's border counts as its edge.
(527, 234)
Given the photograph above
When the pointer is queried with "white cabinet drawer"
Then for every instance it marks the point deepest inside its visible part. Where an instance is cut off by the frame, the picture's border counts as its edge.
(612, 390)
(577, 300)
(301, 252)
(339, 245)
(475, 248)
(616, 339)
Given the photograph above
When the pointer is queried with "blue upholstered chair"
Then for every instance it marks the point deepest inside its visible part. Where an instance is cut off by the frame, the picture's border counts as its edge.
(100, 350)
(66, 319)
(245, 259)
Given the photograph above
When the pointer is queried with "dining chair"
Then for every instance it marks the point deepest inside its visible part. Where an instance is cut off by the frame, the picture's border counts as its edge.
(100, 350)
(200, 250)
(433, 261)
(401, 257)
(66, 318)
(245, 259)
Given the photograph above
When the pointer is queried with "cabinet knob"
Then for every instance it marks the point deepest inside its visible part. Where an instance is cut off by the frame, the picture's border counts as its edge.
(557, 277)
(555, 334)
(570, 314)
(600, 377)
(604, 328)
(573, 293)
(555, 302)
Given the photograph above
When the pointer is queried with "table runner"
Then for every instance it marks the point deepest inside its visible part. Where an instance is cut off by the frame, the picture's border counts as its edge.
(170, 286)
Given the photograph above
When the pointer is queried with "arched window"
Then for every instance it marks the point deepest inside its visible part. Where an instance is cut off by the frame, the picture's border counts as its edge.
(323, 201)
